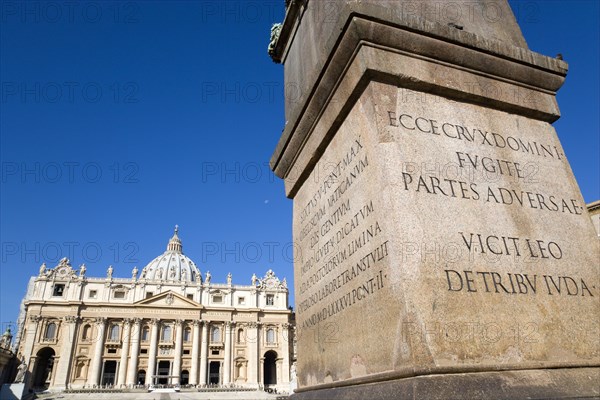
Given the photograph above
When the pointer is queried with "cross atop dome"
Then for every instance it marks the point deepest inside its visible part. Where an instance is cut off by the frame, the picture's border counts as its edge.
(175, 242)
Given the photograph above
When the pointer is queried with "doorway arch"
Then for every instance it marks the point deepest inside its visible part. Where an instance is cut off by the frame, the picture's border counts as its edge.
(270, 368)
(214, 373)
(141, 377)
(163, 372)
(185, 377)
(109, 373)
(42, 372)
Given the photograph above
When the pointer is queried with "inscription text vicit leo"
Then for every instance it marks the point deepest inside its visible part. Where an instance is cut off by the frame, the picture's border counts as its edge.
(479, 152)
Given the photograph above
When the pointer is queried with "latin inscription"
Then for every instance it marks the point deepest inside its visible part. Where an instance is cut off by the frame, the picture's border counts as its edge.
(498, 244)
(343, 242)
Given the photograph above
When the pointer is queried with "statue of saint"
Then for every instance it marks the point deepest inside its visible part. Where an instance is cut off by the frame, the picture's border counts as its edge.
(21, 370)
(6, 339)
(254, 279)
(229, 277)
(82, 270)
(208, 275)
(134, 273)
(43, 269)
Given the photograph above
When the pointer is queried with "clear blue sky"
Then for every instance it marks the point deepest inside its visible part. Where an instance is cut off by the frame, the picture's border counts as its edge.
(120, 120)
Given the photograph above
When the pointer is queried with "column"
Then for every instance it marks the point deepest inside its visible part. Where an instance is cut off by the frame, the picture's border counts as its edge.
(178, 345)
(68, 331)
(285, 349)
(260, 358)
(252, 340)
(98, 350)
(153, 348)
(204, 352)
(221, 369)
(195, 353)
(135, 350)
(261, 371)
(124, 352)
(227, 361)
(30, 334)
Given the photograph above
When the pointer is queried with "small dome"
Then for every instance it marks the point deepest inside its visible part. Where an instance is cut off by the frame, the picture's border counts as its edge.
(172, 265)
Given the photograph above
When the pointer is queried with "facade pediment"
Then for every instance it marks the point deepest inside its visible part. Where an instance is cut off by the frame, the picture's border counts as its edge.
(168, 299)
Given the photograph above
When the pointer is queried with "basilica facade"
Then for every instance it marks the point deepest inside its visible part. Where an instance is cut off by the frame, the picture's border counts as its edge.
(166, 325)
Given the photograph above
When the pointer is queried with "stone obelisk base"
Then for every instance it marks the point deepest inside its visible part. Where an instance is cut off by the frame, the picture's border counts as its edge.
(12, 391)
(563, 383)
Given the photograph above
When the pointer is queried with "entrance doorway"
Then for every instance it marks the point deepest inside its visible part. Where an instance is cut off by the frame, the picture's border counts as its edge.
(185, 377)
(214, 373)
(164, 368)
(110, 370)
(141, 377)
(42, 373)
(270, 368)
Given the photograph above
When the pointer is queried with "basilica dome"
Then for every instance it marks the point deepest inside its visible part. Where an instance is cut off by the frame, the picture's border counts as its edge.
(172, 265)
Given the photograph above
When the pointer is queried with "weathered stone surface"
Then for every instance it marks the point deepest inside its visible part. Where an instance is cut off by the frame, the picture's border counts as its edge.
(391, 223)
(12, 391)
(438, 225)
(319, 38)
(505, 385)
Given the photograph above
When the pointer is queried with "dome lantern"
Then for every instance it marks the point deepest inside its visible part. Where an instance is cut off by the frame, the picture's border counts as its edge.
(175, 242)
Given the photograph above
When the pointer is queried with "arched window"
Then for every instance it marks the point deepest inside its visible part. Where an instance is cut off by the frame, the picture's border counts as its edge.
(187, 335)
(50, 331)
(240, 335)
(80, 368)
(145, 334)
(270, 336)
(114, 333)
(166, 334)
(85, 334)
(215, 335)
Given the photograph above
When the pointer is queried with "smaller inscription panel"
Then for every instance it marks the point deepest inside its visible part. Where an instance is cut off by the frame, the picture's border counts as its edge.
(434, 233)
(342, 275)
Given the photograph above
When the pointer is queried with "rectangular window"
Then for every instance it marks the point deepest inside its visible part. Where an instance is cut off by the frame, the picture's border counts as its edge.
(270, 299)
(241, 301)
(215, 352)
(190, 296)
(58, 290)
(217, 299)
(144, 351)
(119, 294)
(186, 352)
(270, 336)
(149, 294)
(93, 294)
(112, 351)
